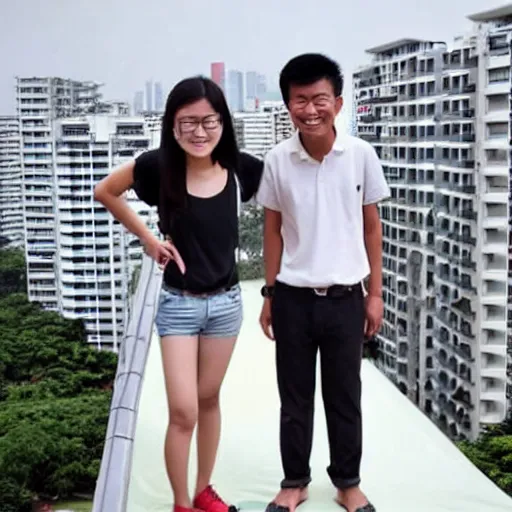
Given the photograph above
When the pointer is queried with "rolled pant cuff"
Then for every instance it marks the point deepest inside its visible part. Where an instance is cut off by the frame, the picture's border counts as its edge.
(344, 483)
(298, 483)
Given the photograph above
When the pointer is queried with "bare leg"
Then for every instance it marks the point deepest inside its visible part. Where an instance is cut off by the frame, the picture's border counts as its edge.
(214, 357)
(179, 356)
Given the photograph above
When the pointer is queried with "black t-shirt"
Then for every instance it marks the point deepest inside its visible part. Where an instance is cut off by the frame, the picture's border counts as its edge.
(206, 233)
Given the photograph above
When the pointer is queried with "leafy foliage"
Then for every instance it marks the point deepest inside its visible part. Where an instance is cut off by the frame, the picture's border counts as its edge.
(492, 454)
(55, 392)
(12, 271)
(251, 243)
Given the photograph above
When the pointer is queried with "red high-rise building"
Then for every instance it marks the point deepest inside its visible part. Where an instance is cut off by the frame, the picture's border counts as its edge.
(218, 73)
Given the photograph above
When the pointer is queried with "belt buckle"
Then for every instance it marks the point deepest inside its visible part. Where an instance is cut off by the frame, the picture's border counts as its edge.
(321, 292)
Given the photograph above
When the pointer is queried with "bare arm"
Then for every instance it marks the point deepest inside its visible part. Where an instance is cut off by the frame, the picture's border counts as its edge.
(272, 252)
(373, 243)
(109, 193)
(272, 245)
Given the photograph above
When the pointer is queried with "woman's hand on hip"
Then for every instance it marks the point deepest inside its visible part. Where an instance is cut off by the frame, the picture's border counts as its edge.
(163, 253)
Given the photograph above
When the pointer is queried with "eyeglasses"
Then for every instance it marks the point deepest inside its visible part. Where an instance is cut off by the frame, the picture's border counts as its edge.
(190, 125)
(318, 102)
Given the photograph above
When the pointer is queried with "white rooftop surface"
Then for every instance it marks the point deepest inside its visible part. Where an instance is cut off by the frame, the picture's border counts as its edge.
(408, 464)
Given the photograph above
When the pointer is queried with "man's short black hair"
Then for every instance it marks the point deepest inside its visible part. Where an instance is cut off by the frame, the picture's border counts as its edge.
(308, 68)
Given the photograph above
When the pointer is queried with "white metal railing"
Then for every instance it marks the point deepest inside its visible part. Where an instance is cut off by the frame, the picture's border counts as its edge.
(112, 485)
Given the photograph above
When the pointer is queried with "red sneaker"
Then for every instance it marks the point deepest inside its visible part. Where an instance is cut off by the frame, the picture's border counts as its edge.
(178, 508)
(209, 501)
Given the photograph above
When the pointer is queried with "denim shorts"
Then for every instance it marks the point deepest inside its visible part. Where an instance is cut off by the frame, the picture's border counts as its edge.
(218, 315)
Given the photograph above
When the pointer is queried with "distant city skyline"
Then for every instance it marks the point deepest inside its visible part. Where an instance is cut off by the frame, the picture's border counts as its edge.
(249, 38)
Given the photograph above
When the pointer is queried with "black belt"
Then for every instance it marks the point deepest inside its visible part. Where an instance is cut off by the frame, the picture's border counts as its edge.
(198, 294)
(336, 290)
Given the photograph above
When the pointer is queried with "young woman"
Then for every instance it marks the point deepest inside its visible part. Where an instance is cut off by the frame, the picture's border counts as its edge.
(196, 179)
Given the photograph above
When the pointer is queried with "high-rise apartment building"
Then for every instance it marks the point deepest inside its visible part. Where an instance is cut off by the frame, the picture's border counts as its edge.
(438, 118)
(493, 32)
(40, 101)
(70, 139)
(11, 214)
(93, 250)
(258, 132)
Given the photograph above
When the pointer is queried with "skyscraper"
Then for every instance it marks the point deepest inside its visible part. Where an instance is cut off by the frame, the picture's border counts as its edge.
(138, 103)
(235, 90)
(149, 96)
(251, 85)
(218, 74)
(159, 97)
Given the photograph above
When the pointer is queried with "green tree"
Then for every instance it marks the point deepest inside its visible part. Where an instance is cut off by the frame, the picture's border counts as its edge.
(55, 393)
(54, 446)
(492, 454)
(12, 271)
(251, 231)
(251, 243)
(13, 497)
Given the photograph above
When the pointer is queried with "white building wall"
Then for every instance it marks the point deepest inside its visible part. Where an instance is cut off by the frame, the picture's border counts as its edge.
(96, 255)
(260, 131)
(424, 107)
(11, 215)
(79, 260)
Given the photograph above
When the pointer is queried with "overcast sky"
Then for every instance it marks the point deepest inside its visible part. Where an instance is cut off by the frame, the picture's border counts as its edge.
(122, 43)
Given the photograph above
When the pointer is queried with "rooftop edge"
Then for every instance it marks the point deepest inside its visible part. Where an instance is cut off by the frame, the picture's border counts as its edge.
(394, 44)
(495, 14)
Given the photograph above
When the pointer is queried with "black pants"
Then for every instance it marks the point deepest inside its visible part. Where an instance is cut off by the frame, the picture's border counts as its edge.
(304, 323)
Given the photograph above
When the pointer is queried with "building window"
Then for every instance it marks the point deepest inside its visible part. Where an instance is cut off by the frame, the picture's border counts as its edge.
(498, 75)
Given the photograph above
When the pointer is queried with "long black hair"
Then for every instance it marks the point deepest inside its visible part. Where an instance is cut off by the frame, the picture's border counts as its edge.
(173, 181)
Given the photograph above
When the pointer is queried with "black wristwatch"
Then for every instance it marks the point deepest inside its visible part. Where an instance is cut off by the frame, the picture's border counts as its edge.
(267, 291)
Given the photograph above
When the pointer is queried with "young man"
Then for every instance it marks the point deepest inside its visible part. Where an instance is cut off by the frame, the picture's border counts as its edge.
(322, 238)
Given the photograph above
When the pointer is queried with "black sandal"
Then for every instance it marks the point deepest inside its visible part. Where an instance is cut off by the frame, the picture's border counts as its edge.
(365, 508)
(274, 507)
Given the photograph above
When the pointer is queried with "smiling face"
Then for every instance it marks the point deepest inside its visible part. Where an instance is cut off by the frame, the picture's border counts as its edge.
(314, 107)
(198, 128)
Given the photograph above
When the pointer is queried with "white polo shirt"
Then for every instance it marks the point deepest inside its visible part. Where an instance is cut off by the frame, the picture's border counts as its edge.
(321, 206)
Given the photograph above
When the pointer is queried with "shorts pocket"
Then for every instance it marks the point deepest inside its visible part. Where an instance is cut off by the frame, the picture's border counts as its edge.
(234, 294)
(167, 296)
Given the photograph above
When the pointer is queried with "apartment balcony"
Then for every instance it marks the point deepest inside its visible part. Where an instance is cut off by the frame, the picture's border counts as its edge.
(372, 118)
(493, 412)
(467, 63)
(461, 90)
(375, 100)
(502, 87)
(497, 222)
(498, 169)
(458, 114)
(463, 138)
(457, 187)
(369, 137)
(497, 116)
(469, 88)
(495, 195)
(460, 163)
(497, 60)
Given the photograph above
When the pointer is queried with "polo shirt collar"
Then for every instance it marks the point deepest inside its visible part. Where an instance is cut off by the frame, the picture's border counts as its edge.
(298, 149)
